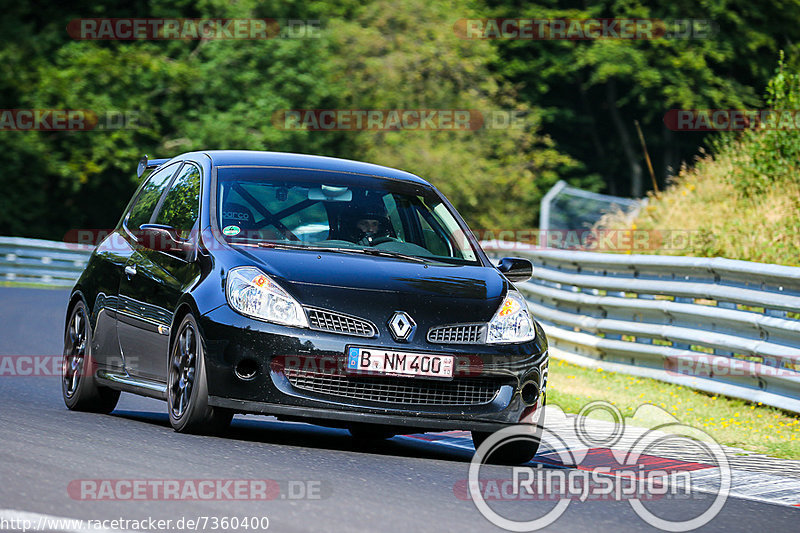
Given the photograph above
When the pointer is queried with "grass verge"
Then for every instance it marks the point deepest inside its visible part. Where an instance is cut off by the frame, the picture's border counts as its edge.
(28, 285)
(703, 214)
(753, 427)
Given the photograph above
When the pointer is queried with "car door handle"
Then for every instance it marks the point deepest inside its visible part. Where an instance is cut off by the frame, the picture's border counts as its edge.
(130, 271)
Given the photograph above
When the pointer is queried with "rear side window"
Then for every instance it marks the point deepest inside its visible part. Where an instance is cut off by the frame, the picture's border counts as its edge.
(182, 203)
(148, 198)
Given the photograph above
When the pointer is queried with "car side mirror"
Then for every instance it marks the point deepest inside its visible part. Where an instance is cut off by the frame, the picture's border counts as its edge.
(516, 268)
(161, 238)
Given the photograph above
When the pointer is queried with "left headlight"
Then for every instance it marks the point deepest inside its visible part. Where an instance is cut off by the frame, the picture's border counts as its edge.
(254, 294)
(512, 322)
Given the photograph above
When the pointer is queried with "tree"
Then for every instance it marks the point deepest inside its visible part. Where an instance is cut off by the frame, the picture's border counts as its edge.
(599, 87)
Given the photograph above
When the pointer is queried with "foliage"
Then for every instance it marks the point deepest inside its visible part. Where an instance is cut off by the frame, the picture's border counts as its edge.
(592, 91)
(773, 152)
(742, 203)
(576, 100)
(495, 177)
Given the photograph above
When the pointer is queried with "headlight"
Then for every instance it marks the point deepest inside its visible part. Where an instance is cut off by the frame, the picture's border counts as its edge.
(254, 294)
(511, 323)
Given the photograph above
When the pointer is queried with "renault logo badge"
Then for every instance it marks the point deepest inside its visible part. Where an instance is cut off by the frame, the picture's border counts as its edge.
(401, 326)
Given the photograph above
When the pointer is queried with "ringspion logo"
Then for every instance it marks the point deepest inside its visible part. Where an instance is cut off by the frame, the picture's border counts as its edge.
(582, 461)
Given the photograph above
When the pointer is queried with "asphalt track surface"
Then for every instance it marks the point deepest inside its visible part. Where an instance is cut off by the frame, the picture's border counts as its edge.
(399, 485)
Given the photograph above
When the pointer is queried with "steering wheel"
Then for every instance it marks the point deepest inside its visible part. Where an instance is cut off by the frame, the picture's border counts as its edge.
(381, 240)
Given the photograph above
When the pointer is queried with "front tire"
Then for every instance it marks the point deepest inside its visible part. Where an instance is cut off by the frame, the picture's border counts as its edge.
(78, 387)
(517, 452)
(187, 387)
(370, 432)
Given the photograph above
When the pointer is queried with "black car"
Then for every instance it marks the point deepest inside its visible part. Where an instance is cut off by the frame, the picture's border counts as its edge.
(309, 288)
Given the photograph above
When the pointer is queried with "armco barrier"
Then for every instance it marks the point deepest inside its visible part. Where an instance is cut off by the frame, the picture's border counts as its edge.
(718, 325)
(55, 264)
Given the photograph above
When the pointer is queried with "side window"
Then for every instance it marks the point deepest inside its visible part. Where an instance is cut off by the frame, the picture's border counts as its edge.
(394, 216)
(182, 203)
(434, 242)
(148, 198)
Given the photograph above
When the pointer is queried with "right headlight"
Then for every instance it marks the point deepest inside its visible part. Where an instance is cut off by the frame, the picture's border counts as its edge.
(511, 323)
(254, 294)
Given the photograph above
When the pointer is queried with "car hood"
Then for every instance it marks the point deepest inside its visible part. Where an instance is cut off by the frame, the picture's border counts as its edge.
(375, 287)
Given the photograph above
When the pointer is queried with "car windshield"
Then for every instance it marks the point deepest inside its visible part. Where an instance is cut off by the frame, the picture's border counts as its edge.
(279, 207)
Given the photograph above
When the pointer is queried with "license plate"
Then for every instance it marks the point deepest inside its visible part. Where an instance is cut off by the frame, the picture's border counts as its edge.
(394, 363)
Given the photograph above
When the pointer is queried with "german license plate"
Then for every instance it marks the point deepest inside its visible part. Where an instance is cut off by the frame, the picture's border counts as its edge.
(394, 363)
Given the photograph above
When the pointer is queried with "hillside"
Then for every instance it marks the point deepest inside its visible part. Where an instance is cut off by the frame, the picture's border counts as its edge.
(742, 202)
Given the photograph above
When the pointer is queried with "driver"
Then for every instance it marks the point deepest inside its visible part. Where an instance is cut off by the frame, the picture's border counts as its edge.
(371, 227)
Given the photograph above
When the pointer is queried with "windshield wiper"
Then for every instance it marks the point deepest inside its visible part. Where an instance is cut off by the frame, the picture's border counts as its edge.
(386, 253)
(367, 251)
(289, 246)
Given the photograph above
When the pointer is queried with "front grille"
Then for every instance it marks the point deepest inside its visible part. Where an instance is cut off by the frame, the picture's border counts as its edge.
(410, 391)
(457, 334)
(339, 323)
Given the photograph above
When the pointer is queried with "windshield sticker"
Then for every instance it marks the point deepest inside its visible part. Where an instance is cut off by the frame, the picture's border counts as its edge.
(230, 231)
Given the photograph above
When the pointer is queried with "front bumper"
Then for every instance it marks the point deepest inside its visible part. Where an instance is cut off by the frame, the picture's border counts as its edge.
(232, 339)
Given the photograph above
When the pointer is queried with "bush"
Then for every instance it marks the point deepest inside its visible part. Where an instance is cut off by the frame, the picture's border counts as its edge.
(741, 203)
(773, 152)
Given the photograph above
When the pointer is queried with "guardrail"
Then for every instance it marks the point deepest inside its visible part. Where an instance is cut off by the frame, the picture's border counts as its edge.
(717, 325)
(55, 264)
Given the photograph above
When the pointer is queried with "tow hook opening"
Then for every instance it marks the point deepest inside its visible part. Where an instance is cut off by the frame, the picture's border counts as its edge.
(246, 369)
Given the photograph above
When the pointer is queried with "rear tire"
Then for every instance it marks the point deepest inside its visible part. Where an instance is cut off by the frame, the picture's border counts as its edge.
(78, 386)
(187, 388)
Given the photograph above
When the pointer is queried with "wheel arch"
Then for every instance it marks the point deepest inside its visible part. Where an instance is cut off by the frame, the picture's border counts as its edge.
(75, 297)
(185, 306)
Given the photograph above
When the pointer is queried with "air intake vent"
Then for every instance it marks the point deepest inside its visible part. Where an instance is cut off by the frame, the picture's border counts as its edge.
(411, 391)
(458, 334)
(339, 323)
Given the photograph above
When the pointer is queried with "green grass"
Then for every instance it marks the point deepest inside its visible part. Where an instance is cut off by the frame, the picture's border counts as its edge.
(753, 427)
(27, 284)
